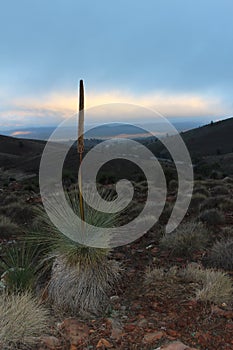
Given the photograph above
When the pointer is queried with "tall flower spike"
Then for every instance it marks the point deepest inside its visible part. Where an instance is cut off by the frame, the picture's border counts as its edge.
(80, 144)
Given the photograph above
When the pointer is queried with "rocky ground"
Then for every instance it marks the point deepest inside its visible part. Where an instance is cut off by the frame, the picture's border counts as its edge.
(165, 315)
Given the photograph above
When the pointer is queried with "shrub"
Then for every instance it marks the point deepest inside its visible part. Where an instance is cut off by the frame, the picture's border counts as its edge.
(173, 185)
(8, 229)
(22, 319)
(133, 210)
(227, 204)
(211, 203)
(157, 274)
(212, 217)
(154, 275)
(228, 180)
(196, 200)
(227, 232)
(215, 286)
(164, 217)
(19, 212)
(185, 240)
(221, 254)
(106, 178)
(201, 190)
(8, 199)
(220, 191)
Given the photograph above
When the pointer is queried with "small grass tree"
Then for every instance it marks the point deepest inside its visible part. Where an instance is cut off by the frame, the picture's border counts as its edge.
(82, 277)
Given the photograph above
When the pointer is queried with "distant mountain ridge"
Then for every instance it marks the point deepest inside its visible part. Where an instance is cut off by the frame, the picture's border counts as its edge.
(102, 131)
(209, 140)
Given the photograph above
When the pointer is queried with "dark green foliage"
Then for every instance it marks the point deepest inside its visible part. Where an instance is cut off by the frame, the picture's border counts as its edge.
(185, 240)
(220, 190)
(212, 203)
(212, 217)
(19, 212)
(8, 229)
(196, 200)
(18, 266)
(221, 255)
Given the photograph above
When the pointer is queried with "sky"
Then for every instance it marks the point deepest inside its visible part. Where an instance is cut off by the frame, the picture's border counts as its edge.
(174, 56)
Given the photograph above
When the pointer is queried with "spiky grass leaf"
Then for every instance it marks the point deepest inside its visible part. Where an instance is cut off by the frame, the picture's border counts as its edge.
(19, 266)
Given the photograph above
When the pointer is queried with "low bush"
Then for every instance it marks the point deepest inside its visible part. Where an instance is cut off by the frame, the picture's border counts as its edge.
(212, 203)
(173, 185)
(8, 229)
(185, 240)
(227, 205)
(201, 190)
(157, 274)
(8, 199)
(212, 217)
(164, 217)
(228, 180)
(227, 232)
(196, 201)
(220, 190)
(19, 212)
(221, 254)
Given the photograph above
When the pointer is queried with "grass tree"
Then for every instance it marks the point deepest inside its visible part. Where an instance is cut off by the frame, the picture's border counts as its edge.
(82, 277)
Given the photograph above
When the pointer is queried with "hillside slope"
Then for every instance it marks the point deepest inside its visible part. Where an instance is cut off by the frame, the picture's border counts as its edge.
(209, 140)
(212, 139)
(14, 153)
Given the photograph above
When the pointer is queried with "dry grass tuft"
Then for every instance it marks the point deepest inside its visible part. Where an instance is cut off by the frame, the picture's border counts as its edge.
(215, 286)
(22, 320)
(185, 240)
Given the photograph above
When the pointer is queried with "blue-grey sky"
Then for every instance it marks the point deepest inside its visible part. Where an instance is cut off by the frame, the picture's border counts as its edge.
(172, 55)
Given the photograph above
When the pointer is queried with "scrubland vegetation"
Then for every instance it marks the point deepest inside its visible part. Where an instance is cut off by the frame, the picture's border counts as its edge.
(46, 277)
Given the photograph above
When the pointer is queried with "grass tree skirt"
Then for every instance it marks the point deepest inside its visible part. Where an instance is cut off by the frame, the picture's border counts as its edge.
(80, 289)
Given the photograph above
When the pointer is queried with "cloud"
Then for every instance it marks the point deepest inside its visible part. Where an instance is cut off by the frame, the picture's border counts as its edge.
(53, 108)
(17, 133)
(172, 56)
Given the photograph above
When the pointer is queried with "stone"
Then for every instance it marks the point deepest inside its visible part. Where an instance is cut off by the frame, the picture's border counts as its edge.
(76, 331)
(177, 345)
(151, 337)
(103, 344)
(50, 342)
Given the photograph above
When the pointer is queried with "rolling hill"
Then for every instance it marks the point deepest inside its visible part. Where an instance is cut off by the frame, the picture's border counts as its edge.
(214, 139)
(209, 140)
